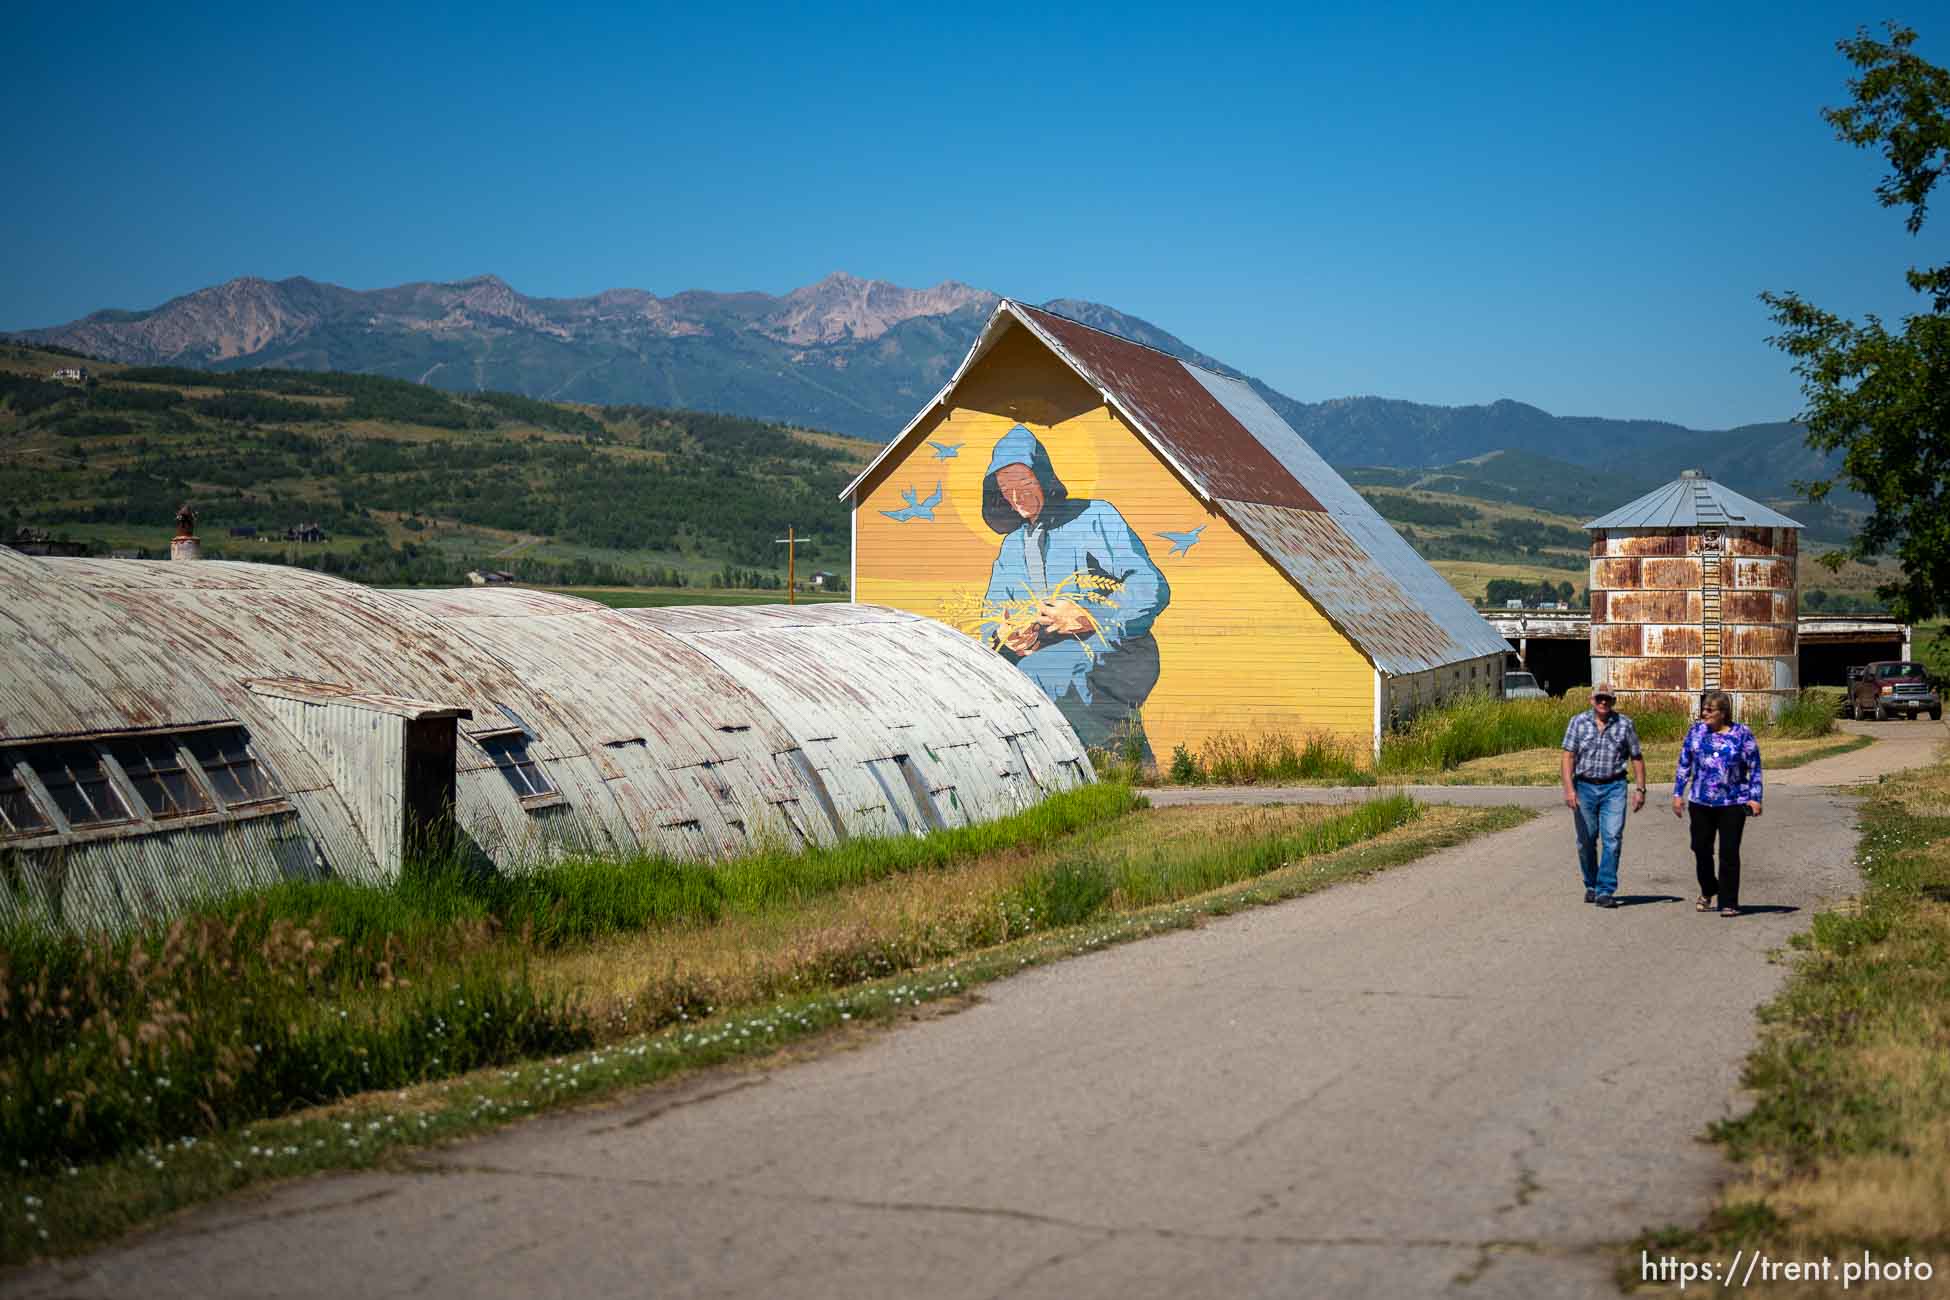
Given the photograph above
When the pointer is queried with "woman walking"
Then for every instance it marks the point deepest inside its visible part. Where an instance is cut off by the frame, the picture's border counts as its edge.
(1718, 784)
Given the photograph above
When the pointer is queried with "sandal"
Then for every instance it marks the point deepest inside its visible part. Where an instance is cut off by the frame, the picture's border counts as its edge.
(1729, 911)
(1704, 903)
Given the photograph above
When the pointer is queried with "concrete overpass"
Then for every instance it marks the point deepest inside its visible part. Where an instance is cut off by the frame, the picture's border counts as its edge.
(1556, 644)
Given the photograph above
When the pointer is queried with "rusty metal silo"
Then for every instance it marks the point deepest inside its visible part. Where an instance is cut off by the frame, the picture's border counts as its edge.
(1693, 589)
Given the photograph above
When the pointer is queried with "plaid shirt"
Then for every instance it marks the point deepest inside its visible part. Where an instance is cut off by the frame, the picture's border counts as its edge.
(1601, 755)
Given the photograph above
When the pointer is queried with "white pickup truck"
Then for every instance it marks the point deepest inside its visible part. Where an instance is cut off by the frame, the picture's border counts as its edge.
(1522, 686)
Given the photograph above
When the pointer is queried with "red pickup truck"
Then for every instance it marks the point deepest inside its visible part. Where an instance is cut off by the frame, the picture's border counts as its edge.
(1893, 686)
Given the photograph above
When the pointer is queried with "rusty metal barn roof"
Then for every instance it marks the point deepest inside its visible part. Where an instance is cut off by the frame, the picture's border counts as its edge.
(1693, 501)
(1235, 452)
(1387, 609)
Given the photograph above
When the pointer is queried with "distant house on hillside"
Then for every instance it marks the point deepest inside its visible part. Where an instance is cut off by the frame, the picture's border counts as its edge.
(822, 580)
(304, 533)
(490, 577)
(71, 375)
(245, 530)
(38, 541)
(1157, 549)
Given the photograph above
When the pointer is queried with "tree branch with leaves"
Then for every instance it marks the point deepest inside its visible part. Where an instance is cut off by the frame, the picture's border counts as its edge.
(1880, 396)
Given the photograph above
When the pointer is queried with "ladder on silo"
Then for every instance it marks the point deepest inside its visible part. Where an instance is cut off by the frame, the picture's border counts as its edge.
(1712, 524)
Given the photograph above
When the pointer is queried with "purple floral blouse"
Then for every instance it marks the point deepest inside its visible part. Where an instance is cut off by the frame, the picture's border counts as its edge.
(1718, 768)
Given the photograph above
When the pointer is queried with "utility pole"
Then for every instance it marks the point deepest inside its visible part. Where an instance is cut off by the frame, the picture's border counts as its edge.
(791, 543)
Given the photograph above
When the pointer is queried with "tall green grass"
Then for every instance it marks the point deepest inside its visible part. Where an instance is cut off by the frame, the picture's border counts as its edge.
(1158, 877)
(308, 991)
(1479, 726)
(1075, 889)
(587, 896)
(1809, 714)
(1229, 759)
(107, 1044)
(779, 877)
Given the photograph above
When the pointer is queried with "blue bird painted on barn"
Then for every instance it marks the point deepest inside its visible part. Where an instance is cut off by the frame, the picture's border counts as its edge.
(1182, 543)
(945, 450)
(915, 507)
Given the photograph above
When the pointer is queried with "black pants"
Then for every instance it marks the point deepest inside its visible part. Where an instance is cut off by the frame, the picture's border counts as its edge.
(1727, 823)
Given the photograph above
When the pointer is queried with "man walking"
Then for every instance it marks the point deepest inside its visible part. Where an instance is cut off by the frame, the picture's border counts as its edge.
(1597, 746)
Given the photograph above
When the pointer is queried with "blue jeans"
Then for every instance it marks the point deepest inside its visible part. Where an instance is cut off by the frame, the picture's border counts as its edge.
(1601, 832)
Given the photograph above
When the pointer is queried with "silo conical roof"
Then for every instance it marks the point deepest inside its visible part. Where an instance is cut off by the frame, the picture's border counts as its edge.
(1693, 501)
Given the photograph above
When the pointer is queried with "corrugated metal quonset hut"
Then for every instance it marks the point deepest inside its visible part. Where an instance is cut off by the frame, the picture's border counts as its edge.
(1693, 589)
(169, 730)
(1154, 547)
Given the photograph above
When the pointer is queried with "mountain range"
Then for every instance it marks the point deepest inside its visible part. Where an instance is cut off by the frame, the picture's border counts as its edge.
(846, 354)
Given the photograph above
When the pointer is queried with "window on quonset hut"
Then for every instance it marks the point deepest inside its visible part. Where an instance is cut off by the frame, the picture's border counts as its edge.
(78, 784)
(18, 815)
(509, 752)
(233, 771)
(155, 769)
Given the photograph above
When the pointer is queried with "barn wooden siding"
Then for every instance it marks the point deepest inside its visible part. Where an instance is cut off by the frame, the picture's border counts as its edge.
(1294, 607)
(1404, 696)
(1241, 651)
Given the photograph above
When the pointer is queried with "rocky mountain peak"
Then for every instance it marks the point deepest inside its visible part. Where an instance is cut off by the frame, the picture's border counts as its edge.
(843, 306)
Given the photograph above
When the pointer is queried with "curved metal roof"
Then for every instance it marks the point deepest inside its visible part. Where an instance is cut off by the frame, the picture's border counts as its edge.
(684, 732)
(880, 700)
(1693, 501)
(71, 662)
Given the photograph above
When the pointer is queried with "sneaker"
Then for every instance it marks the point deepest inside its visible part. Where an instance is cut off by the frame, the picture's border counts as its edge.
(1590, 895)
(1605, 900)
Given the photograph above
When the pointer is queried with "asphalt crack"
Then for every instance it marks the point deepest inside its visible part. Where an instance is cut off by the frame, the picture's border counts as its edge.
(1284, 1113)
(277, 1216)
(1490, 1251)
(1105, 1231)
(1015, 1284)
(678, 1101)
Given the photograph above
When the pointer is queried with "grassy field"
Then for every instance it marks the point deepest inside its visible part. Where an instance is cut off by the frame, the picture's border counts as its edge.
(321, 1027)
(1540, 766)
(1478, 740)
(1472, 577)
(410, 482)
(1931, 644)
(1846, 1151)
(657, 597)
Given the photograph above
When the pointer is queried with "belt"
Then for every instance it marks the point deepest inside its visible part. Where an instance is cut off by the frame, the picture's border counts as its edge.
(1602, 780)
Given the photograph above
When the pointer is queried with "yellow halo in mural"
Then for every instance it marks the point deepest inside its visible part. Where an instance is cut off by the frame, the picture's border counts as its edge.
(1072, 454)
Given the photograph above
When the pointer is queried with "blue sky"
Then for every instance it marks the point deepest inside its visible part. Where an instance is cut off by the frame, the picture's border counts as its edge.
(1430, 202)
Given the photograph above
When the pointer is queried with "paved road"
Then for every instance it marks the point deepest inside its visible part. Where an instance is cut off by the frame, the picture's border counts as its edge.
(1453, 1079)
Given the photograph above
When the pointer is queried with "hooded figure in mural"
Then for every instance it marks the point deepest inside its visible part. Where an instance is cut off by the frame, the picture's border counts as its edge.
(1077, 590)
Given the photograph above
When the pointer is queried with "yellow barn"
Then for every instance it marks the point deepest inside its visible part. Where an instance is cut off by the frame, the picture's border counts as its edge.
(1156, 548)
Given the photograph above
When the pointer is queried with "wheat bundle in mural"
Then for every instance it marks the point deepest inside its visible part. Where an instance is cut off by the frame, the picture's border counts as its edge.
(971, 611)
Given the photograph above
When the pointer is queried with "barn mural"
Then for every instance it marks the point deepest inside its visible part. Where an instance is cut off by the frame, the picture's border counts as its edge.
(1024, 509)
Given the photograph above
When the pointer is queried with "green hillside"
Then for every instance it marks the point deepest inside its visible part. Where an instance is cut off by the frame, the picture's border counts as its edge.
(409, 483)
(415, 485)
